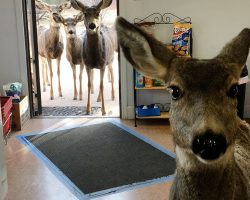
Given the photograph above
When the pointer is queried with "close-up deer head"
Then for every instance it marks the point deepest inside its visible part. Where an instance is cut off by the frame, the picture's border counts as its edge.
(69, 23)
(53, 9)
(92, 18)
(203, 113)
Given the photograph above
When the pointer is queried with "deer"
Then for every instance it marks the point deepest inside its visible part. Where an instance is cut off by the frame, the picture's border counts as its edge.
(98, 46)
(50, 43)
(74, 48)
(211, 141)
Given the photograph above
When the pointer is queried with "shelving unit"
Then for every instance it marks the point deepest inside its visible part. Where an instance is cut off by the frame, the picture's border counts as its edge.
(152, 88)
(164, 115)
(152, 19)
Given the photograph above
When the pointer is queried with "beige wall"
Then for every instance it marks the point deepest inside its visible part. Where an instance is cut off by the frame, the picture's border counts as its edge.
(3, 175)
(214, 24)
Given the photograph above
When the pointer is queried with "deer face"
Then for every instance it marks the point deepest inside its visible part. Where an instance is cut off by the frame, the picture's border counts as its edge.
(69, 23)
(203, 109)
(92, 19)
(52, 10)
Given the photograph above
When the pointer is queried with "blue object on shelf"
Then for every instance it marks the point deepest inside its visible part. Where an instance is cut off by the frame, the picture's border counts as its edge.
(139, 80)
(150, 111)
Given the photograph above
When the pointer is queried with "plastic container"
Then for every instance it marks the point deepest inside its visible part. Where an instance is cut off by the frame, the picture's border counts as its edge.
(150, 111)
(7, 125)
(6, 106)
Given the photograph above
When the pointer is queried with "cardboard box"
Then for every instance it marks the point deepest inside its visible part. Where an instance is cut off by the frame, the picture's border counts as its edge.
(20, 113)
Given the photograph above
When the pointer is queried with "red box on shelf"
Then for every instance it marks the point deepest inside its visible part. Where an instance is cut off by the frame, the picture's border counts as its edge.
(6, 106)
(7, 126)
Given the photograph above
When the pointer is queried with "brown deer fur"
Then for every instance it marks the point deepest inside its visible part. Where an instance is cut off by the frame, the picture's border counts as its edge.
(50, 42)
(74, 48)
(203, 105)
(98, 45)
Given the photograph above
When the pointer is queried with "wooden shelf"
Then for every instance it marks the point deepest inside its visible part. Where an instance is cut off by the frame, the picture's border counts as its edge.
(152, 88)
(164, 115)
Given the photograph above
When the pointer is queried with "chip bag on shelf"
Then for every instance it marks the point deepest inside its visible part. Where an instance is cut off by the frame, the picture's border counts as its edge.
(181, 38)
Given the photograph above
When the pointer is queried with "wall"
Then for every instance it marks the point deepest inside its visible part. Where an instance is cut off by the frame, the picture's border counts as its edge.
(214, 24)
(3, 174)
(12, 56)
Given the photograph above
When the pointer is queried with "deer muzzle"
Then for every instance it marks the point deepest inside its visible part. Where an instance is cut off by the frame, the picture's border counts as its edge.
(92, 26)
(209, 146)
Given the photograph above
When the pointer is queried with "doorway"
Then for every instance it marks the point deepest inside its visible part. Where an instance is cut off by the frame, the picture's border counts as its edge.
(64, 105)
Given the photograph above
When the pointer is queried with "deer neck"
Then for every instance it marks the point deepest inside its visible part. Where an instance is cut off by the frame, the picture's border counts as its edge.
(95, 50)
(71, 43)
(93, 40)
(196, 180)
(54, 34)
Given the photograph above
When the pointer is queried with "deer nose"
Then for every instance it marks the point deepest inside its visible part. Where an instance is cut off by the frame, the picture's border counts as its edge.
(71, 32)
(92, 26)
(209, 146)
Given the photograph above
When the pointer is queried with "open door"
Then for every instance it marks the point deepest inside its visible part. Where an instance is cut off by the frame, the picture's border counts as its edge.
(29, 15)
(65, 104)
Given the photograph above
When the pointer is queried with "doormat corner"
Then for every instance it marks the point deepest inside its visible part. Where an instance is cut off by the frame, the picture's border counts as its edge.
(96, 160)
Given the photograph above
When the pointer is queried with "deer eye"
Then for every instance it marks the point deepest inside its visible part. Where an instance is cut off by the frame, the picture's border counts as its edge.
(175, 92)
(233, 91)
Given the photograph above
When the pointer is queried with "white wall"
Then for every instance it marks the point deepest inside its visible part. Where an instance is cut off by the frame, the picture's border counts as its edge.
(12, 48)
(214, 24)
(3, 174)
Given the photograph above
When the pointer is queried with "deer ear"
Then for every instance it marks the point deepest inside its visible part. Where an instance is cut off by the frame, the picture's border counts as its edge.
(58, 18)
(235, 53)
(104, 4)
(145, 53)
(77, 5)
(42, 5)
(65, 5)
(79, 17)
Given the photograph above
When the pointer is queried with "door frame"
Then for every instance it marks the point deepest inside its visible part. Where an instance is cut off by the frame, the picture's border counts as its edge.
(32, 61)
(35, 112)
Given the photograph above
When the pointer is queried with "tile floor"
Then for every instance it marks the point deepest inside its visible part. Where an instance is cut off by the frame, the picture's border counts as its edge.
(29, 178)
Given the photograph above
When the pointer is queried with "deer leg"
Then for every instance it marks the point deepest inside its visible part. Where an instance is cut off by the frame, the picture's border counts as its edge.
(99, 96)
(102, 70)
(43, 72)
(112, 81)
(51, 78)
(89, 87)
(92, 78)
(46, 74)
(58, 75)
(80, 80)
(73, 67)
(109, 74)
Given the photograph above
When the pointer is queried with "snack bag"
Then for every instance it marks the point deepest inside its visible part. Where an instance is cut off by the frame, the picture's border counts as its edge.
(148, 82)
(139, 80)
(181, 38)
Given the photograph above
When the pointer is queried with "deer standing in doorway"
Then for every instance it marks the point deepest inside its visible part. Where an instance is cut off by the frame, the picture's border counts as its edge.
(212, 143)
(74, 48)
(50, 42)
(98, 45)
